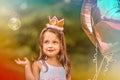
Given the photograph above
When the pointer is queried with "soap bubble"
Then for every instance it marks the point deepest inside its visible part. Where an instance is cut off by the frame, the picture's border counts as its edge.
(14, 23)
(23, 6)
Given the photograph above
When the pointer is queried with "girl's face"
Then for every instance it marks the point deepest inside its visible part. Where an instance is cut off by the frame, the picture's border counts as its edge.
(51, 44)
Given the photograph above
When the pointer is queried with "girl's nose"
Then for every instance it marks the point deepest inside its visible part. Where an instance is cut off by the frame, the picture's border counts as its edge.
(50, 45)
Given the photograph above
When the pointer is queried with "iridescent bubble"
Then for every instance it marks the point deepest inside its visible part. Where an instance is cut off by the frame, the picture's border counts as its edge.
(23, 6)
(67, 1)
(14, 23)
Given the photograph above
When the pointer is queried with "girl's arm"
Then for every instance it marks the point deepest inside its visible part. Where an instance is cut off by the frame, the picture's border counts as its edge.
(69, 78)
(28, 72)
(36, 67)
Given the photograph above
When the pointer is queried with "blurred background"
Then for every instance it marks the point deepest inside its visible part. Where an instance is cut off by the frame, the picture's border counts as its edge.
(21, 22)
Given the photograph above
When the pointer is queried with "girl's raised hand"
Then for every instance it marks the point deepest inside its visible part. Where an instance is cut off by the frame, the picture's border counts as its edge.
(24, 62)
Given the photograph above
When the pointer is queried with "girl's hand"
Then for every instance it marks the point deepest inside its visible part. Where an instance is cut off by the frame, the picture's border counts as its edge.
(28, 72)
(24, 62)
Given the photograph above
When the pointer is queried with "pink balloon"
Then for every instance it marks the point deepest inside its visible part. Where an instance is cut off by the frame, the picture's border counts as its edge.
(101, 23)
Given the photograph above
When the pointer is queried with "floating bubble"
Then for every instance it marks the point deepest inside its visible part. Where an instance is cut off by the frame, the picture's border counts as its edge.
(67, 1)
(14, 23)
(23, 6)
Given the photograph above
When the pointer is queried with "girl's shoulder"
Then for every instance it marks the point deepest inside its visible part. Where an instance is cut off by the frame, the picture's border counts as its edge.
(37, 64)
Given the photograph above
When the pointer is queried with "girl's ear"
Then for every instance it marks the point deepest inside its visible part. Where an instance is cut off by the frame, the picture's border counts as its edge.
(39, 47)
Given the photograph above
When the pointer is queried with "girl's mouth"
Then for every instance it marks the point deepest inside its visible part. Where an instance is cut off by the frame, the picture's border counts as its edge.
(50, 50)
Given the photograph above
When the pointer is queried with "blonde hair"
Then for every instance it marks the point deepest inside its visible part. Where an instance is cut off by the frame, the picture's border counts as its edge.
(63, 58)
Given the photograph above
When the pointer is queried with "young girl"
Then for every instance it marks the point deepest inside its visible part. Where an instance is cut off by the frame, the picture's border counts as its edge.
(53, 62)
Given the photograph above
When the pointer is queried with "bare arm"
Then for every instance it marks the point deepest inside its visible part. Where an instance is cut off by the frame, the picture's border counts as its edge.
(36, 67)
(28, 71)
(69, 78)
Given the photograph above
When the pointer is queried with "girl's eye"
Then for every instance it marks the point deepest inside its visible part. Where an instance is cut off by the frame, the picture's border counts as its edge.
(46, 42)
(55, 42)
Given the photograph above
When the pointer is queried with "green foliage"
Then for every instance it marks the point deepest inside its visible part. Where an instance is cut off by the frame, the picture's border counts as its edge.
(78, 45)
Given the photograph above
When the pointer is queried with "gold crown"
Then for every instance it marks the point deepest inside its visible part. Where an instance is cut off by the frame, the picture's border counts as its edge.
(55, 23)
